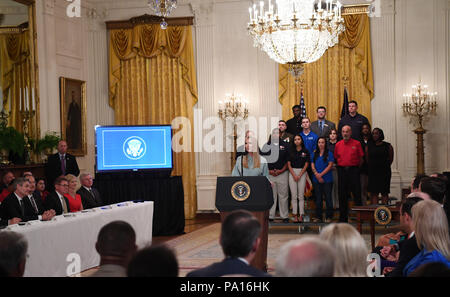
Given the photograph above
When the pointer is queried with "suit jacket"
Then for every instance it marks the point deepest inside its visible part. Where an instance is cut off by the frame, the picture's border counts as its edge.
(88, 200)
(39, 202)
(52, 202)
(227, 266)
(53, 168)
(11, 209)
(327, 127)
(408, 250)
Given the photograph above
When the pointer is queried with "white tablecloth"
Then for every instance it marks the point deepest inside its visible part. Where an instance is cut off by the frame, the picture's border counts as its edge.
(54, 246)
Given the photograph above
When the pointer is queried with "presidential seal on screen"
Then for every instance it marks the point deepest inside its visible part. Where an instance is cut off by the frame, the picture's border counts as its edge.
(134, 147)
(240, 191)
(383, 215)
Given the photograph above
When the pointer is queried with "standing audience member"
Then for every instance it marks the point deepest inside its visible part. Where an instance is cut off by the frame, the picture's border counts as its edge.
(298, 164)
(322, 127)
(321, 164)
(309, 137)
(59, 164)
(90, 197)
(154, 261)
(40, 187)
(116, 245)
(431, 231)
(354, 120)
(294, 125)
(71, 195)
(240, 240)
(349, 156)
(13, 253)
(408, 248)
(251, 163)
(56, 199)
(366, 133)
(350, 248)
(331, 145)
(284, 135)
(306, 257)
(380, 156)
(7, 178)
(276, 154)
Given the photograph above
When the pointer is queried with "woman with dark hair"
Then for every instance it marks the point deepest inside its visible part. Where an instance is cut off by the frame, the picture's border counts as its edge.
(333, 137)
(366, 137)
(321, 163)
(40, 187)
(379, 156)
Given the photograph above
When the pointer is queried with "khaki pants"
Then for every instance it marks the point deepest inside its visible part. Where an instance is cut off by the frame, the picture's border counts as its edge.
(298, 191)
(280, 194)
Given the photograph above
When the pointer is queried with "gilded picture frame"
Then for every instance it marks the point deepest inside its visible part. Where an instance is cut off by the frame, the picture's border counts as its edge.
(73, 115)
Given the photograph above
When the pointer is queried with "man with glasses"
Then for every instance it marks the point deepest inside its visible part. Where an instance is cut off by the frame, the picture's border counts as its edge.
(56, 200)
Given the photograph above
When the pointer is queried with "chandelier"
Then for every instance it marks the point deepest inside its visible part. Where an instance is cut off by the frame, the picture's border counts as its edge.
(296, 32)
(162, 8)
(420, 103)
(235, 108)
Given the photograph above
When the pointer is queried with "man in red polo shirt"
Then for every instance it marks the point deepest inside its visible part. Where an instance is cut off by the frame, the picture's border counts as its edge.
(349, 155)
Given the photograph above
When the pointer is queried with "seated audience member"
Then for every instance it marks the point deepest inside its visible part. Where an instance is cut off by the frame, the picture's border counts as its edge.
(71, 195)
(407, 249)
(435, 187)
(6, 191)
(90, 197)
(433, 269)
(239, 239)
(309, 256)
(40, 187)
(56, 200)
(13, 253)
(421, 195)
(431, 231)
(416, 182)
(159, 260)
(7, 178)
(116, 244)
(350, 248)
(18, 205)
(37, 205)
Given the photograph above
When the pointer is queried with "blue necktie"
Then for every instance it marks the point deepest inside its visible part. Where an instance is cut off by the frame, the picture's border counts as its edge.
(321, 127)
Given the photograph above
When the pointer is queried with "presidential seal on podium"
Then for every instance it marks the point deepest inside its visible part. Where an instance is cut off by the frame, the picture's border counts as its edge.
(383, 215)
(240, 191)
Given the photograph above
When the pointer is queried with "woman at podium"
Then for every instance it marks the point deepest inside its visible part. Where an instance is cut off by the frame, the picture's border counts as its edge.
(251, 163)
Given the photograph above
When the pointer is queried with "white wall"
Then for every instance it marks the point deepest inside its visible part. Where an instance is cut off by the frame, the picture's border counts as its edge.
(409, 39)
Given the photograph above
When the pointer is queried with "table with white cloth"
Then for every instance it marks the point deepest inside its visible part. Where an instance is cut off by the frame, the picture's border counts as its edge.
(67, 243)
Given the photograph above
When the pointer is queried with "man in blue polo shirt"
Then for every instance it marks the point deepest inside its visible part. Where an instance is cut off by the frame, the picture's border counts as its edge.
(309, 137)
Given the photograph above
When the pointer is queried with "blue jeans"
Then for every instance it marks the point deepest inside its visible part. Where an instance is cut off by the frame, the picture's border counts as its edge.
(320, 190)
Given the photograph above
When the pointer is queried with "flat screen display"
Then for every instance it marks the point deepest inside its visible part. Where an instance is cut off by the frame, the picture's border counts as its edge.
(133, 148)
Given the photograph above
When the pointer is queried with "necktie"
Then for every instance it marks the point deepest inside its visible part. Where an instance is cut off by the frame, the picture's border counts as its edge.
(321, 127)
(33, 203)
(92, 193)
(63, 165)
(63, 202)
(22, 207)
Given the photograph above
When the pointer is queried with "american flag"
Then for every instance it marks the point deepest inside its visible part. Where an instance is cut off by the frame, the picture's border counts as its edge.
(302, 106)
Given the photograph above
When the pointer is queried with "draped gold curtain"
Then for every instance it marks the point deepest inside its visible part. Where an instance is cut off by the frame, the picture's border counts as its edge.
(15, 75)
(152, 81)
(348, 63)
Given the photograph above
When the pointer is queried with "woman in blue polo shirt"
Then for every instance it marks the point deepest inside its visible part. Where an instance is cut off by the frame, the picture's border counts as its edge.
(321, 163)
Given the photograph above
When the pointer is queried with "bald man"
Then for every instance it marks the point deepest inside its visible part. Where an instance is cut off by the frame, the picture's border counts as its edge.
(349, 155)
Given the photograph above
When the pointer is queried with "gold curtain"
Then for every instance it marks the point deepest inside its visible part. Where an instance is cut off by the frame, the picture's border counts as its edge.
(15, 75)
(152, 81)
(348, 63)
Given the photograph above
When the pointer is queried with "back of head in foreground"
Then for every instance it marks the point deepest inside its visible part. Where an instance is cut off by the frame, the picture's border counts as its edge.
(154, 261)
(239, 235)
(13, 253)
(350, 248)
(116, 243)
(309, 256)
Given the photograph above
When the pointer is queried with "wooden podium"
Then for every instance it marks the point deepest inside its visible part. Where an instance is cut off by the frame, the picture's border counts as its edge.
(251, 193)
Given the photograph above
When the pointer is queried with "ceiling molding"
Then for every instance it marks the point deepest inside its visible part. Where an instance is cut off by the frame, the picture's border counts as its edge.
(148, 19)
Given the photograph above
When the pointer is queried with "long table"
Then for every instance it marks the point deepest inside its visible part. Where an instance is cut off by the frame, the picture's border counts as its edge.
(66, 245)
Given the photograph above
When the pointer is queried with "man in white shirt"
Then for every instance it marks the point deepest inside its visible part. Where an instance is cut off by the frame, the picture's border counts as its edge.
(35, 201)
(56, 200)
(90, 197)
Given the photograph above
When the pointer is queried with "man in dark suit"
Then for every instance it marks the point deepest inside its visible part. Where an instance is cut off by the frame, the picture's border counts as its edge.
(35, 201)
(7, 177)
(59, 164)
(90, 197)
(322, 127)
(56, 200)
(239, 239)
(17, 204)
(294, 125)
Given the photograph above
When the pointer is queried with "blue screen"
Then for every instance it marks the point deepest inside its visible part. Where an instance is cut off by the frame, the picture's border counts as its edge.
(133, 147)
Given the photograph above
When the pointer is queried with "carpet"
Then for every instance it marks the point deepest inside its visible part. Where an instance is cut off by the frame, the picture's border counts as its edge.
(201, 248)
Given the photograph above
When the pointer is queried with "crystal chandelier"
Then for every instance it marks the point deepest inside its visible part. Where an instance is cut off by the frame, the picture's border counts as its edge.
(296, 32)
(162, 8)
